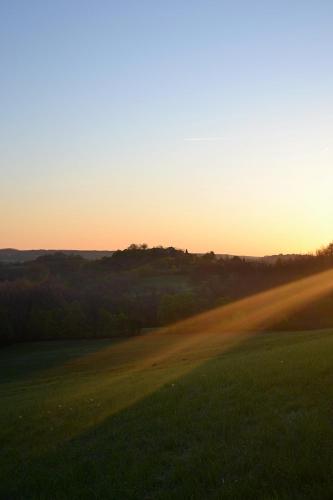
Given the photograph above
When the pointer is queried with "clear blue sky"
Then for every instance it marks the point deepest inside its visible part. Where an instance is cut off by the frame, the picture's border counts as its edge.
(202, 124)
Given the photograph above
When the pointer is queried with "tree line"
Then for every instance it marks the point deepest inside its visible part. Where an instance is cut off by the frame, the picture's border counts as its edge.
(62, 296)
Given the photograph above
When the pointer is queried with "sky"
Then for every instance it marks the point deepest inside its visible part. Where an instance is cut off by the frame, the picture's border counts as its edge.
(200, 124)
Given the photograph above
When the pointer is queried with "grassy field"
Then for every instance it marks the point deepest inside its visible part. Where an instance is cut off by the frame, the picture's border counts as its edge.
(95, 419)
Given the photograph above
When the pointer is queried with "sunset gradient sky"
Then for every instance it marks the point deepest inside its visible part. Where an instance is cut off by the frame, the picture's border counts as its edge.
(204, 125)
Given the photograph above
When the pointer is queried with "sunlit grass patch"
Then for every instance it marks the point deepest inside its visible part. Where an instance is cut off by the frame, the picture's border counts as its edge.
(251, 422)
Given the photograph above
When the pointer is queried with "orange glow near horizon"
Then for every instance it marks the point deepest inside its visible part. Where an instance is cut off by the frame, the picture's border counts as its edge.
(87, 215)
(84, 233)
(215, 143)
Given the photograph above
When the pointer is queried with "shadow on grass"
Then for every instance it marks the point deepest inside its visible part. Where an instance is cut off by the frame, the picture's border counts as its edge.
(241, 426)
(19, 361)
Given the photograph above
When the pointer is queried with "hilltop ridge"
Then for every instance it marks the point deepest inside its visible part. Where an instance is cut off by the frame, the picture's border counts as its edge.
(12, 255)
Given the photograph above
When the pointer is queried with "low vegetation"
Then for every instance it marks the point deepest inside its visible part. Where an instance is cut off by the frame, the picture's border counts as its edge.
(101, 419)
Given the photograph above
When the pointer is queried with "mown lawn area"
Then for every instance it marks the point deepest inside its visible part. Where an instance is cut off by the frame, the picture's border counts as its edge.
(114, 420)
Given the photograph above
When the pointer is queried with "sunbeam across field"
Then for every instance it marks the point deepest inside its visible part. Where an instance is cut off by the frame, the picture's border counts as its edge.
(215, 423)
(170, 353)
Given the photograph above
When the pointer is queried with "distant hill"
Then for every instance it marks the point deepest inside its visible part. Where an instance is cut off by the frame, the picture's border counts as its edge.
(273, 258)
(270, 259)
(13, 255)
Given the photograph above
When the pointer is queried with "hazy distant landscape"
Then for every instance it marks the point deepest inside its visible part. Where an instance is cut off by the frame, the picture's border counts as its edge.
(13, 255)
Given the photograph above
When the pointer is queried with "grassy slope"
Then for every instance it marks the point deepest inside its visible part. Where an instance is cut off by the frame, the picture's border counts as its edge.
(79, 420)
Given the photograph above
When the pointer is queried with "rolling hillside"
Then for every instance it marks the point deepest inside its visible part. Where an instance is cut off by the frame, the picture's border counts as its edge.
(12, 255)
(140, 419)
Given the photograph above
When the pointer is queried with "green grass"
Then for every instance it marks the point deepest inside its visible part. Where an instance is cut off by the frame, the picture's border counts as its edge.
(101, 420)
